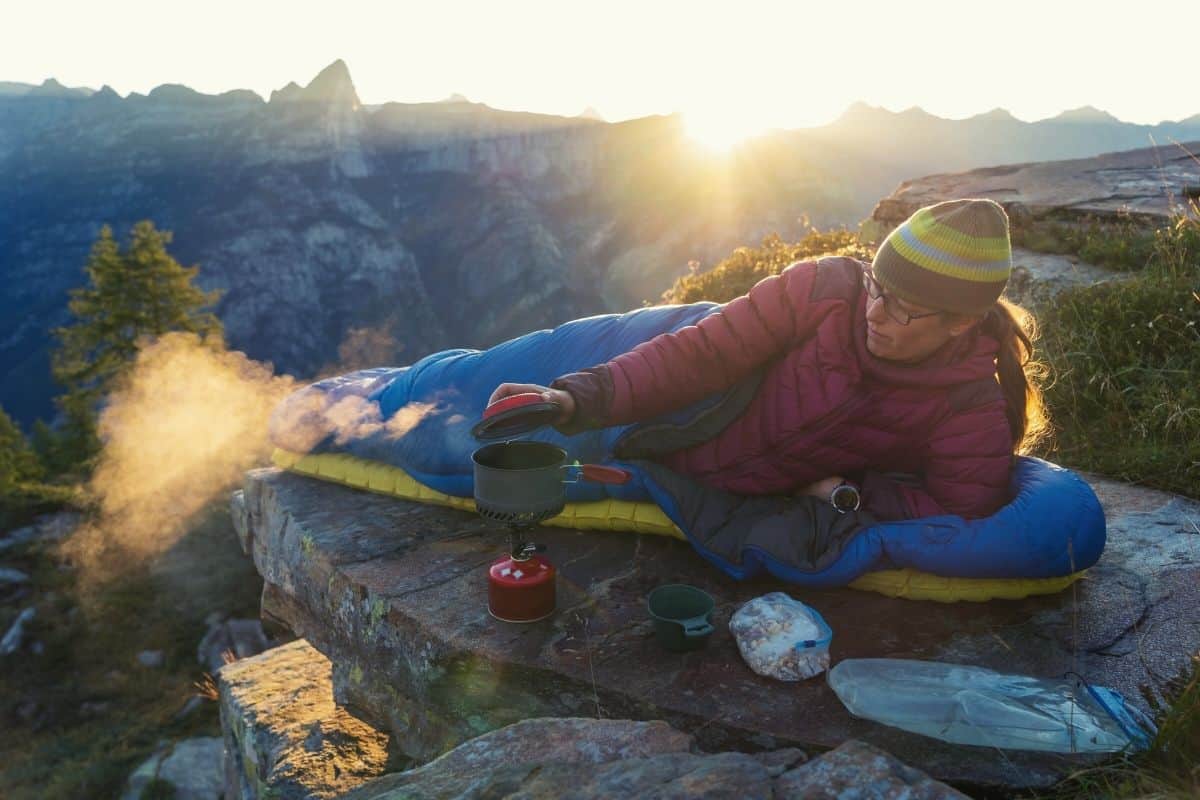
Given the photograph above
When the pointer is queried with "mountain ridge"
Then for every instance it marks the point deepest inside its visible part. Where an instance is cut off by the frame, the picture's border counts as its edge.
(335, 80)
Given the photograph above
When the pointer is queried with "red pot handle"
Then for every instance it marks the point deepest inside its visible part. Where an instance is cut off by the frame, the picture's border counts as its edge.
(599, 474)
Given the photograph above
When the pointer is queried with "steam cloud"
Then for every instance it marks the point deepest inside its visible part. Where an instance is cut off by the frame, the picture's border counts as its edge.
(178, 432)
(182, 428)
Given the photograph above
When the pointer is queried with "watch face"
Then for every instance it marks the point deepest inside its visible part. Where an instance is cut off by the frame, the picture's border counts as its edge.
(845, 498)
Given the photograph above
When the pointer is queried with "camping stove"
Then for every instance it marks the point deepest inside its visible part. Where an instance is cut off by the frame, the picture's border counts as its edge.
(521, 585)
(521, 484)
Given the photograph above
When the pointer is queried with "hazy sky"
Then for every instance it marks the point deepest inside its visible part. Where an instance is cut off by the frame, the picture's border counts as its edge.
(774, 64)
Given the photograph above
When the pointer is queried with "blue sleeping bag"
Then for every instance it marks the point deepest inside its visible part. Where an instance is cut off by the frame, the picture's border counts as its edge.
(419, 418)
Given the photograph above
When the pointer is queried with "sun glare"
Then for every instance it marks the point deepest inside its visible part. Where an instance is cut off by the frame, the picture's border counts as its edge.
(720, 131)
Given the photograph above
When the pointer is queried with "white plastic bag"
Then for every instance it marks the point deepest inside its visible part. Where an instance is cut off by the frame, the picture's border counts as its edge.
(964, 704)
(781, 638)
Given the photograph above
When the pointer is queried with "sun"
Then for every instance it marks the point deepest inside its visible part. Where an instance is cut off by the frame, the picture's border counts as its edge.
(721, 131)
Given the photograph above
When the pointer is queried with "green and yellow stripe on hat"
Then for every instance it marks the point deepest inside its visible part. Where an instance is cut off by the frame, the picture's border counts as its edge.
(955, 256)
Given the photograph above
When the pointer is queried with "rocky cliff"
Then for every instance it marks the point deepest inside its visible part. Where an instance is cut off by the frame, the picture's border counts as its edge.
(437, 225)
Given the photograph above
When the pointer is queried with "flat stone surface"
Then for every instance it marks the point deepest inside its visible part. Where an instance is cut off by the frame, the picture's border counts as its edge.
(283, 736)
(395, 593)
(1148, 181)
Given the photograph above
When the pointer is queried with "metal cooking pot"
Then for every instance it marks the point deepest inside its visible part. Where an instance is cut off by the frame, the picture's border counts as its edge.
(523, 482)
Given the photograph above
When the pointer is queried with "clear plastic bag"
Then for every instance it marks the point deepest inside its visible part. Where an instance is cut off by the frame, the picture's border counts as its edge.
(781, 638)
(974, 705)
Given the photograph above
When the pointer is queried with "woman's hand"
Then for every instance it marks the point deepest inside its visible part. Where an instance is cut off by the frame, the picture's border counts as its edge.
(560, 396)
(822, 488)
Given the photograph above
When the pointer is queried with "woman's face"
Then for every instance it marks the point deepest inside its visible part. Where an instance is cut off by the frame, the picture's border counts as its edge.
(927, 329)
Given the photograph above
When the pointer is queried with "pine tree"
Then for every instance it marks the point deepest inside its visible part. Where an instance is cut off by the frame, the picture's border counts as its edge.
(130, 297)
(17, 462)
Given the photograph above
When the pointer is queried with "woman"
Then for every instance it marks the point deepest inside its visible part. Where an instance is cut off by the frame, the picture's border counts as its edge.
(911, 365)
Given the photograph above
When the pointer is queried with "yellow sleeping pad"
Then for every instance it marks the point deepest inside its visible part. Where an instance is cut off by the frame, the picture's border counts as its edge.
(647, 517)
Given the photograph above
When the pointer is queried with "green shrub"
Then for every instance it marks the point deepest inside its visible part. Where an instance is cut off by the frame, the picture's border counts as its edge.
(1125, 245)
(24, 501)
(746, 266)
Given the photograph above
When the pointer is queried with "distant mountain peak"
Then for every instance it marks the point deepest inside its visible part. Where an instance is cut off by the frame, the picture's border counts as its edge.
(174, 92)
(1089, 114)
(287, 93)
(52, 88)
(455, 98)
(997, 114)
(591, 113)
(857, 110)
(331, 86)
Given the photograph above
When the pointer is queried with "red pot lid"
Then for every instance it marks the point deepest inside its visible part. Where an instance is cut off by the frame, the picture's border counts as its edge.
(514, 415)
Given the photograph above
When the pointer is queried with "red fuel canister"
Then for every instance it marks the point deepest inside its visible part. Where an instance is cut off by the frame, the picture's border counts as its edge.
(521, 590)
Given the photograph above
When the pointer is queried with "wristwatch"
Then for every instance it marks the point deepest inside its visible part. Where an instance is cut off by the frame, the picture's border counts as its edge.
(845, 497)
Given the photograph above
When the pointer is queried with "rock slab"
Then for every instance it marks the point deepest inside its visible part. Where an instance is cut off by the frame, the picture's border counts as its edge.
(1147, 182)
(395, 594)
(283, 736)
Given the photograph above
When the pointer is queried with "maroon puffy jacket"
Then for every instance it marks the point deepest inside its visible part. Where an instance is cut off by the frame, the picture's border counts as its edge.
(825, 406)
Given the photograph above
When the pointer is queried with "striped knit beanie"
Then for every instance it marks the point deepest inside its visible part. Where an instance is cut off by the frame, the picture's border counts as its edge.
(953, 256)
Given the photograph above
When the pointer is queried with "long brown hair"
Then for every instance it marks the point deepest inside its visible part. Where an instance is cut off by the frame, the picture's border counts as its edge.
(1021, 376)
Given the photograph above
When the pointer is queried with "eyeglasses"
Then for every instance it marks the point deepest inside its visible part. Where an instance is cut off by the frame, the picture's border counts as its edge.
(875, 291)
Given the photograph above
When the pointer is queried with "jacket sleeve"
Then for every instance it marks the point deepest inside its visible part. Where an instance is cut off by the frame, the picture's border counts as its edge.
(966, 469)
(677, 368)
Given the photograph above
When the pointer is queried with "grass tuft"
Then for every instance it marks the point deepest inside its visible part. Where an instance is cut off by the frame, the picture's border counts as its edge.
(1125, 398)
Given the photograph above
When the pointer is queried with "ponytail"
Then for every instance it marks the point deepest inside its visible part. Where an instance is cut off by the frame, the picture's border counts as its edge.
(1020, 376)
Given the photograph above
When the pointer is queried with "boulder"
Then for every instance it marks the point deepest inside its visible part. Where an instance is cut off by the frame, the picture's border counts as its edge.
(229, 640)
(573, 768)
(11, 641)
(191, 768)
(565, 745)
(679, 776)
(12, 577)
(857, 769)
(152, 659)
(284, 737)
(48, 527)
